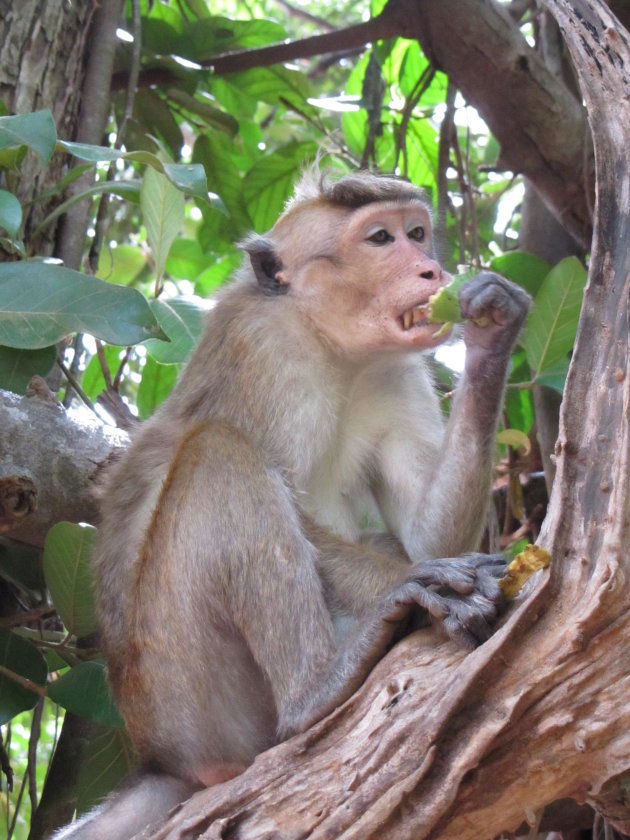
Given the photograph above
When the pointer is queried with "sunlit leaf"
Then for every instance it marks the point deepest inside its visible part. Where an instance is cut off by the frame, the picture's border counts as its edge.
(181, 320)
(36, 130)
(67, 556)
(552, 324)
(40, 303)
(163, 209)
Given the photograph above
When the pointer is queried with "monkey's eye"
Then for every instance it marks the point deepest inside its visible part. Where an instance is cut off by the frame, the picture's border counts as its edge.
(381, 237)
(417, 234)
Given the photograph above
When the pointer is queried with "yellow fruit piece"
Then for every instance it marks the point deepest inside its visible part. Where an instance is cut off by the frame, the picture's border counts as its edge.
(519, 571)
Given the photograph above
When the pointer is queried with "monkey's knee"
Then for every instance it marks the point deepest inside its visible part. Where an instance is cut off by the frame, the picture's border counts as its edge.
(215, 774)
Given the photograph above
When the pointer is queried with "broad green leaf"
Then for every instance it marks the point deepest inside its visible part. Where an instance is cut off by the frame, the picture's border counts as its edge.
(127, 189)
(10, 213)
(110, 758)
(189, 177)
(163, 209)
(36, 130)
(67, 556)
(269, 182)
(18, 367)
(20, 657)
(157, 383)
(181, 319)
(83, 690)
(528, 270)
(552, 324)
(206, 38)
(88, 151)
(555, 376)
(40, 303)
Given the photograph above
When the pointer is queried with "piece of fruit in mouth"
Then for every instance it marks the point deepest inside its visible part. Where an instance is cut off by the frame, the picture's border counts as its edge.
(415, 315)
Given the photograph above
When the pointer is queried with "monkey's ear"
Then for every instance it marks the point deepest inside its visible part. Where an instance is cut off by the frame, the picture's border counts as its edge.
(267, 265)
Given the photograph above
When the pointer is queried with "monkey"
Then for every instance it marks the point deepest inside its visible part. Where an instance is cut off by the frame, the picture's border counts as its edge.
(299, 497)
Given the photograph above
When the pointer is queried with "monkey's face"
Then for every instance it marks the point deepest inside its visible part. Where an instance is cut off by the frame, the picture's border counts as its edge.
(367, 285)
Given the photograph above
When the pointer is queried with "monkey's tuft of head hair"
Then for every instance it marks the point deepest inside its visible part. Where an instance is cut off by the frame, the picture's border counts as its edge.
(353, 190)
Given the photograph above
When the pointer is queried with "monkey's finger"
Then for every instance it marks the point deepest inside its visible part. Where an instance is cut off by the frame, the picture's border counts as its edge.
(472, 623)
(488, 586)
(487, 562)
(455, 573)
(410, 594)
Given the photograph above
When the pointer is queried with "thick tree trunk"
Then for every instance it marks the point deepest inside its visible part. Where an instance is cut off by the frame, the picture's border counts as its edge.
(42, 50)
(438, 744)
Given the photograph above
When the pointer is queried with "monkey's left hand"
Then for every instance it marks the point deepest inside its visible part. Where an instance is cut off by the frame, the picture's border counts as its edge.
(495, 310)
(469, 590)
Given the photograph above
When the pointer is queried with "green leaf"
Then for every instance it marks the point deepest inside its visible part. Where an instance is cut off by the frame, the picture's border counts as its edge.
(88, 151)
(67, 556)
(83, 690)
(109, 759)
(555, 376)
(18, 367)
(36, 130)
(188, 177)
(552, 324)
(24, 659)
(269, 182)
(163, 208)
(157, 383)
(126, 189)
(527, 270)
(40, 303)
(182, 320)
(10, 213)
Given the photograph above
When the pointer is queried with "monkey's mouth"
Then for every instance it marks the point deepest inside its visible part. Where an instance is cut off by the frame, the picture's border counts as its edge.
(416, 316)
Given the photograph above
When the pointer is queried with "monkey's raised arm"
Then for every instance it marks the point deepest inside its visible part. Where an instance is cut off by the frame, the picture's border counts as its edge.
(440, 510)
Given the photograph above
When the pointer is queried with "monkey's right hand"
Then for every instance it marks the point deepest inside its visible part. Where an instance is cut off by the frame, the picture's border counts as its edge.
(462, 592)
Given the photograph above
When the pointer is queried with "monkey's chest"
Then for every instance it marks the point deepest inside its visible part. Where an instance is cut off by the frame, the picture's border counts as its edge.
(338, 491)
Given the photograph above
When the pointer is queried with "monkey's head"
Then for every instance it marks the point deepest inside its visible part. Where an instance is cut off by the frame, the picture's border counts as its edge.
(355, 258)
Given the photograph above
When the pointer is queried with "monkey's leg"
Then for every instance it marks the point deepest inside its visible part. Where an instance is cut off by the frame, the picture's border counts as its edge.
(243, 643)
